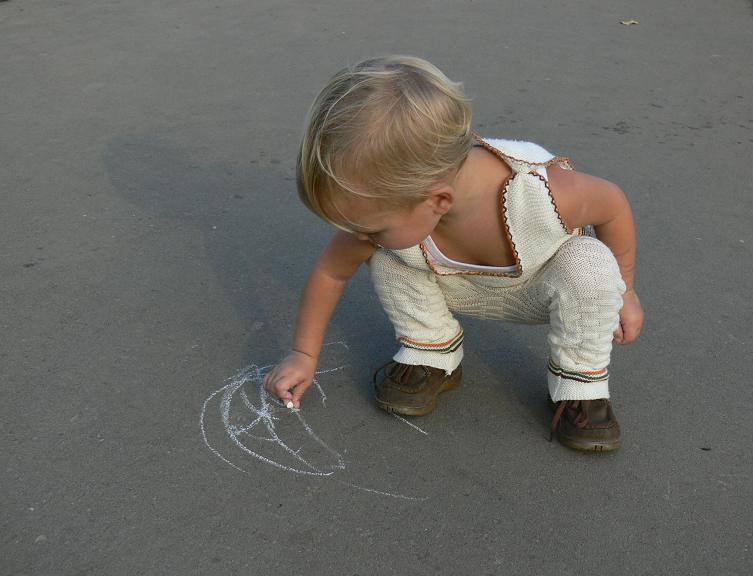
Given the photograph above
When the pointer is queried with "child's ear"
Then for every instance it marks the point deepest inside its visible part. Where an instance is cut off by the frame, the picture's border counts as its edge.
(441, 199)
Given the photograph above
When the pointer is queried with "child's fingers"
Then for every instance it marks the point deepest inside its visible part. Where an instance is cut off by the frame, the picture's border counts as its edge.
(268, 383)
(298, 392)
(292, 388)
(630, 334)
(618, 334)
(276, 384)
(282, 390)
(286, 385)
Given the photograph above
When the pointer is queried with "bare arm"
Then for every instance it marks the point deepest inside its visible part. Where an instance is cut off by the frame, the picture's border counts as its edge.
(324, 287)
(582, 199)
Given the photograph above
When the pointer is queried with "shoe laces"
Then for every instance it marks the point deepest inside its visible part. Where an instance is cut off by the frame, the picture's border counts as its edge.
(581, 407)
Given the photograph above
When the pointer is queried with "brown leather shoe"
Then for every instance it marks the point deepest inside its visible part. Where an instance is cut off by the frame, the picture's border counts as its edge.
(412, 390)
(586, 425)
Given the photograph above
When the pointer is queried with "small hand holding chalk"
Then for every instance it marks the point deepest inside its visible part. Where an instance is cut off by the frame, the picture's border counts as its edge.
(290, 379)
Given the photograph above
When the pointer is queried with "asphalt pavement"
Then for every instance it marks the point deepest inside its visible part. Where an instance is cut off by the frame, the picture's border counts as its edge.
(152, 249)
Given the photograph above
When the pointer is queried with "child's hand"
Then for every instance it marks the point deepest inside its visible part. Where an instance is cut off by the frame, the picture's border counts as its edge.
(291, 378)
(631, 318)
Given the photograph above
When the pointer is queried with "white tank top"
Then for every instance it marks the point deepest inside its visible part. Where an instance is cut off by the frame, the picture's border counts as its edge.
(438, 257)
(530, 220)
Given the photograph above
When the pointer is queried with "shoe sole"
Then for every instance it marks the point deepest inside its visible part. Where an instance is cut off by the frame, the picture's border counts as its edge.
(589, 446)
(448, 384)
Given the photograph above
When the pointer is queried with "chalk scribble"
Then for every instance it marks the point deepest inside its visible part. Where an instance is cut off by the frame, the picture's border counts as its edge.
(259, 426)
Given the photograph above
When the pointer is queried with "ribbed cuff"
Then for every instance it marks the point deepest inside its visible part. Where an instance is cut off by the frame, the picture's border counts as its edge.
(446, 361)
(562, 388)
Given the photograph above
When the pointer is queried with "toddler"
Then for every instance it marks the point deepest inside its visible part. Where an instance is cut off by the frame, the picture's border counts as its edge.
(450, 222)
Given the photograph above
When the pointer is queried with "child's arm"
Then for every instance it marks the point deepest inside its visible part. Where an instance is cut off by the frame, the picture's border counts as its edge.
(337, 264)
(581, 200)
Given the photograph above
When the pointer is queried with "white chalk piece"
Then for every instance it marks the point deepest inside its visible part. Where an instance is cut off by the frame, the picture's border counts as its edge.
(290, 404)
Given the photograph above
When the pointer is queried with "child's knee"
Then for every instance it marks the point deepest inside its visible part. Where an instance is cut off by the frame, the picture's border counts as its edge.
(587, 267)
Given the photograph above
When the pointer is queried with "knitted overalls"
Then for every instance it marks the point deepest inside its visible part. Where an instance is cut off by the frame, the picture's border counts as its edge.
(569, 281)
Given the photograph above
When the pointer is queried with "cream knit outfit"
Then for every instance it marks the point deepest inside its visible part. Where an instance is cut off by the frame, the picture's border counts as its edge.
(569, 281)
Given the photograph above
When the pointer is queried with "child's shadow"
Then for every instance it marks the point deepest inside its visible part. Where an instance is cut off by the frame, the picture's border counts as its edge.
(258, 239)
(514, 357)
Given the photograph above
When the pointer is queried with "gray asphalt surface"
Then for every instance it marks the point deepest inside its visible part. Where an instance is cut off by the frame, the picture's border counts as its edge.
(152, 247)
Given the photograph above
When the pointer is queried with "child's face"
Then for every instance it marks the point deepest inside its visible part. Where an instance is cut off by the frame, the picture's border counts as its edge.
(393, 228)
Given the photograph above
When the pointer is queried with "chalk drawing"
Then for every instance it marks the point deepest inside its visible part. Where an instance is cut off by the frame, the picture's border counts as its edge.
(410, 424)
(261, 427)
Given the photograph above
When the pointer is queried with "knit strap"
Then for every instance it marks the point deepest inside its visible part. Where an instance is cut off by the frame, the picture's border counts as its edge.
(522, 156)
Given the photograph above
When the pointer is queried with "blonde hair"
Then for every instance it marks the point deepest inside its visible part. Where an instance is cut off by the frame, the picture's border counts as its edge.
(386, 129)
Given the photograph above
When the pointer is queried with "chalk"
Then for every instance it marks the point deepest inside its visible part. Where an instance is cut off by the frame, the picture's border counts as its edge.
(259, 429)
